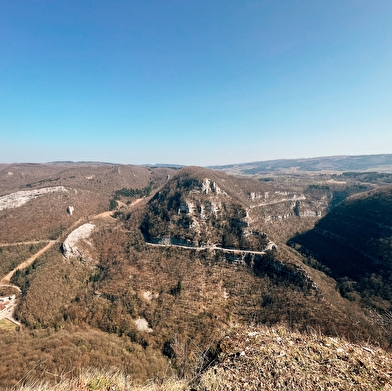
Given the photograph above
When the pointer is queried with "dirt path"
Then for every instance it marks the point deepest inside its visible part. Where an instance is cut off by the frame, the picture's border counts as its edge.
(103, 215)
(28, 262)
(110, 212)
(137, 201)
(22, 243)
(6, 279)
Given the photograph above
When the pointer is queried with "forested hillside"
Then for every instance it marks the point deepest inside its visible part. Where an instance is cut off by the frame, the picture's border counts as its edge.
(175, 258)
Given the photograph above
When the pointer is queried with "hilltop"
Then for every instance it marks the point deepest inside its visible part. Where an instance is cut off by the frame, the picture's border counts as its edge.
(261, 358)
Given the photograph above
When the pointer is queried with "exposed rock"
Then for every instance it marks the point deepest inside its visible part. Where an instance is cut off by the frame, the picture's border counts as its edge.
(20, 198)
(69, 246)
(70, 210)
(193, 210)
(142, 325)
(261, 358)
(208, 185)
(147, 295)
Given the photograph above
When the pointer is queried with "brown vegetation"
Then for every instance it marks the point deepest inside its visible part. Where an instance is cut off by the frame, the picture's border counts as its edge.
(249, 358)
(55, 356)
(79, 314)
(12, 256)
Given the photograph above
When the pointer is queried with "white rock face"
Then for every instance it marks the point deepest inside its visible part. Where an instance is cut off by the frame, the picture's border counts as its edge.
(208, 185)
(14, 200)
(70, 248)
(147, 295)
(142, 325)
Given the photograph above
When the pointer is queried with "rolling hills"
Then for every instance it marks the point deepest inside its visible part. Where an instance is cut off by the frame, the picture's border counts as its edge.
(175, 257)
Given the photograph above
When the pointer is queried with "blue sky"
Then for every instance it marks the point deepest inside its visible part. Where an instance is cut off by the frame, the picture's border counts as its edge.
(194, 82)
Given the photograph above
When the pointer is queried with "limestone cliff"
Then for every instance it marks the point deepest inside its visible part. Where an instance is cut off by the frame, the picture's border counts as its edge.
(199, 208)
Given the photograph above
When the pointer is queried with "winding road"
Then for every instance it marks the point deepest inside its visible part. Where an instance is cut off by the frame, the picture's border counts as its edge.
(5, 281)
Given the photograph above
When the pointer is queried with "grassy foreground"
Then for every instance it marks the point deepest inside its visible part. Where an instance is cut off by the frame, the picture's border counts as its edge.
(260, 358)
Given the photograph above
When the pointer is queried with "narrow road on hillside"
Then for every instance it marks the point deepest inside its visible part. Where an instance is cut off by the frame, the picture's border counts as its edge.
(23, 243)
(110, 212)
(6, 279)
(270, 246)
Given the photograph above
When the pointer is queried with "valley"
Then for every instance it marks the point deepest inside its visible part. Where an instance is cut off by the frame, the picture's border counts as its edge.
(147, 268)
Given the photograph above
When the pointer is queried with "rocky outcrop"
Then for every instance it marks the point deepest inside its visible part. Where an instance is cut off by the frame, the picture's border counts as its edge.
(14, 200)
(70, 246)
(261, 358)
(195, 211)
(268, 198)
(284, 210)
(142, 325)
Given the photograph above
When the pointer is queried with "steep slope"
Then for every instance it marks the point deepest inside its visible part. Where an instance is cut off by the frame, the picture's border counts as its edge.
(258, 358)
(253, 359)
(354, 241)
(200, 207)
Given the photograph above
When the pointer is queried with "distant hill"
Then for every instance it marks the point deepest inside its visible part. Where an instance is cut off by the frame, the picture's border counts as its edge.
(88, 188)
(381, 163)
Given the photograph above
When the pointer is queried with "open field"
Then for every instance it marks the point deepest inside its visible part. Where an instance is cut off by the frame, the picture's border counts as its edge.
(6, 325)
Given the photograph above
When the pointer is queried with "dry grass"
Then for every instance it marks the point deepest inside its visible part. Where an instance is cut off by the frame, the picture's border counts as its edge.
(90, 186)
(45, 356)
(276, 359)
(259, 358)
(6, 325)
(95, 379)
(60, 294)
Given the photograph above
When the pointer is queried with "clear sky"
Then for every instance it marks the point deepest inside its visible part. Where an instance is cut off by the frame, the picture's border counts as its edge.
(194, 81)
